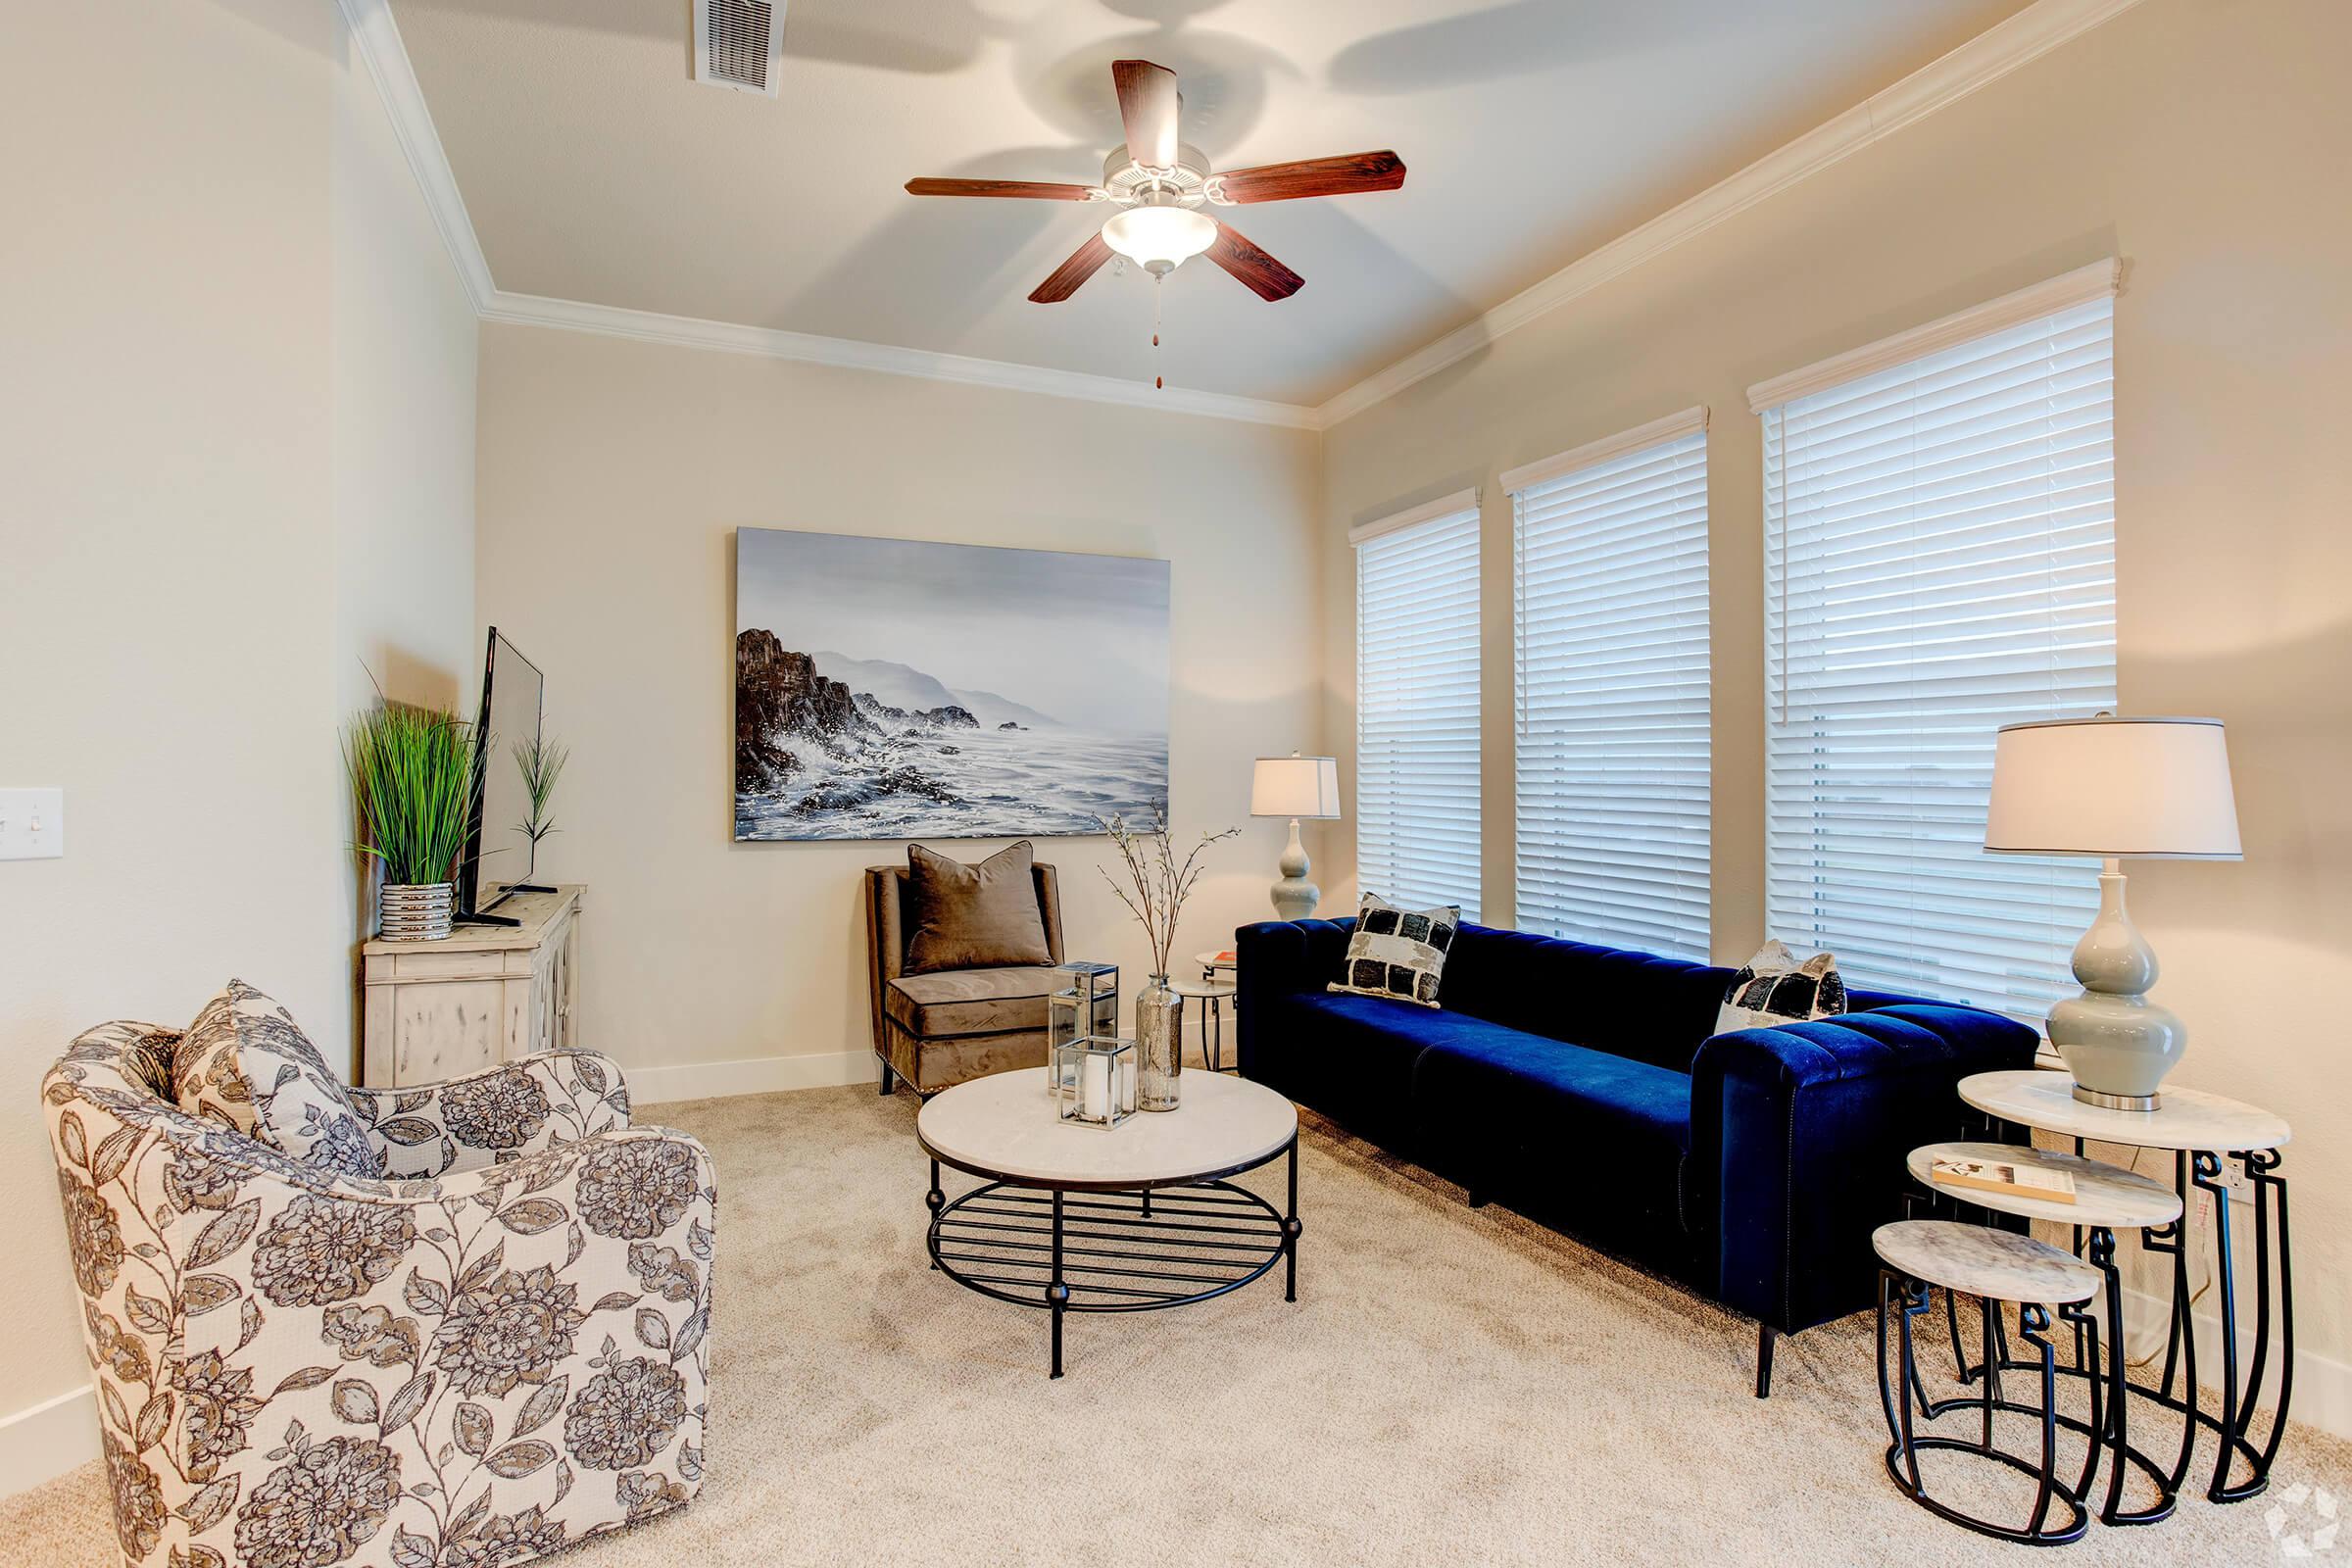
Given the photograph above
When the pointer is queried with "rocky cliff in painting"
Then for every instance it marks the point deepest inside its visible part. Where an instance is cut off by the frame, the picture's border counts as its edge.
(820, 747)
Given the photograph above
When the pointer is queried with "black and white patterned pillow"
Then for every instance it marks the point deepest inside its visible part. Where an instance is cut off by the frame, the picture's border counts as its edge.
(1775, 988)
(245, 1063)
(1398, 953)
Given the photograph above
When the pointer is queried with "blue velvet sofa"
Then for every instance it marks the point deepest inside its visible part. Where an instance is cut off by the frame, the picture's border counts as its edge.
(1586, 1088)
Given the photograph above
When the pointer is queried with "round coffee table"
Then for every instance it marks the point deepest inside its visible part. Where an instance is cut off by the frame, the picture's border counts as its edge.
(1129, 1220)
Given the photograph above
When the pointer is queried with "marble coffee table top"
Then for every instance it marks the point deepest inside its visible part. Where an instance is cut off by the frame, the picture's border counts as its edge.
(1978, 1261)
(1003, 1126)
(2189, 1118)
(2104, 1194)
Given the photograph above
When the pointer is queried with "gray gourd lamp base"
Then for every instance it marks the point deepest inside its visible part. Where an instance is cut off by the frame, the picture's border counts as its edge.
(2116, 1042)
(1295, 896)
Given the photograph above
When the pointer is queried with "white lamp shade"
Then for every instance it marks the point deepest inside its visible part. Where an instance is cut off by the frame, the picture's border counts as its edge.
(2153, 788)
(1295, 786)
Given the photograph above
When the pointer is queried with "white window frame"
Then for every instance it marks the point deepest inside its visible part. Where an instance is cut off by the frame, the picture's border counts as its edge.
(1417, 805)
(1612, 705)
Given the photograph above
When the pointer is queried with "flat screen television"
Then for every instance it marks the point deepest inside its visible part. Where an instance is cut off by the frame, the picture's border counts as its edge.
(500, 857)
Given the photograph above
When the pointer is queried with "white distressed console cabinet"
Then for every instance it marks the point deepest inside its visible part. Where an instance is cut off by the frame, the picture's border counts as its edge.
(435, 1010)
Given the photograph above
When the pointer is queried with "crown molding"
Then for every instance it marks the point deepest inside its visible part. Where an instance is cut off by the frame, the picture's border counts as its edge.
(2022, 38)
(532, 310)
(375, 39)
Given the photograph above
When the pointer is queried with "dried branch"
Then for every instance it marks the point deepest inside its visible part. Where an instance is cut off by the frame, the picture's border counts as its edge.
(1159, 884)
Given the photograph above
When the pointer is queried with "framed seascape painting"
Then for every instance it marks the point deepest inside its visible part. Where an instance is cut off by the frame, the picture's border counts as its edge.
(892, 689)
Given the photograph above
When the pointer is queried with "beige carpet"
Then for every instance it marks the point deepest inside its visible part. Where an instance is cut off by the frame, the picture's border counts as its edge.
(1452, 1386)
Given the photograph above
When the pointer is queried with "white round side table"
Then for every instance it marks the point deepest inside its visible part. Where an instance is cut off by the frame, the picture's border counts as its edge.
(1919, 1255)
(2200, 1130)
(1211, 995)
(2106, 1198)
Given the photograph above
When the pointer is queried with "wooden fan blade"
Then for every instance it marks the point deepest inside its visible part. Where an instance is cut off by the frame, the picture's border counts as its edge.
(1148, 106)
(1316, 176)
(1083, 263)
(1233, 252)
(1023, 189)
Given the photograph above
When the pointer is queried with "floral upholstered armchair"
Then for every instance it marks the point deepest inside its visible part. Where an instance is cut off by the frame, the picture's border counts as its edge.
(493, 1346)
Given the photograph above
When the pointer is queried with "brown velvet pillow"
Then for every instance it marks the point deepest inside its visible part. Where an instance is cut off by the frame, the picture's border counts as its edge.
(973, 916)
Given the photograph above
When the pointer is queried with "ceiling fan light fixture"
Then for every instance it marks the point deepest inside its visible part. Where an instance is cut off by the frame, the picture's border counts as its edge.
(1160, 239)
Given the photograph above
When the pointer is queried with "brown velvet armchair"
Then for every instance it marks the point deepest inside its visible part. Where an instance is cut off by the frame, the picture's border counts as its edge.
(936, 1030)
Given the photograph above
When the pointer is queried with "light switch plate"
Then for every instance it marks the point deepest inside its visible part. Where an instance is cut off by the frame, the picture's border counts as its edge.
(33, 824)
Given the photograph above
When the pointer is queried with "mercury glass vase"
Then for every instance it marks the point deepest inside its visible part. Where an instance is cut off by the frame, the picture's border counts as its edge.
(1159, 1045)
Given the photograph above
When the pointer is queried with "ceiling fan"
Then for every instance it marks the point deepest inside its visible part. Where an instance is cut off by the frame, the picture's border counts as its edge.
(1159, 186)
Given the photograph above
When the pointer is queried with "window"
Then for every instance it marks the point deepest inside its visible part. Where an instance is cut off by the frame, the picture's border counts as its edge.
(1613, 789)
(1416, 706)
(1939, 560)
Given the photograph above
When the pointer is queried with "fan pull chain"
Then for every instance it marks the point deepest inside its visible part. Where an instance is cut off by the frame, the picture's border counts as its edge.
(1158, 382)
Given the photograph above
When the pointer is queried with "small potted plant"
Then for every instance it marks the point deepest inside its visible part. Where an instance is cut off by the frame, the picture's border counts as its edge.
(1160, 884)
(540, 762)
(412, 787)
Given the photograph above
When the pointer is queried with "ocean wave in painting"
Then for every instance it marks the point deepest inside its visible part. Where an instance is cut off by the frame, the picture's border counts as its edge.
(960, 783)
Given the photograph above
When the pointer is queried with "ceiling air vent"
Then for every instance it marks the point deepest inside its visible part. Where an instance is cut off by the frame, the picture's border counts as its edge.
(737, 42)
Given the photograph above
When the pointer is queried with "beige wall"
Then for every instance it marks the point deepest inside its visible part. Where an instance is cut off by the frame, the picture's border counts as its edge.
(236, 425)
(612, 475)
(2198, 141)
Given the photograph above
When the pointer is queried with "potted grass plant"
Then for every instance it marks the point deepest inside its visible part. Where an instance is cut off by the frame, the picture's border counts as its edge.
(412, 786)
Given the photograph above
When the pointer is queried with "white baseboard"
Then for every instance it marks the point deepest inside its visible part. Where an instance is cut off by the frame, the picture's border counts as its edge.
(755, 1075)
(48, 1440)
(2323, 1394)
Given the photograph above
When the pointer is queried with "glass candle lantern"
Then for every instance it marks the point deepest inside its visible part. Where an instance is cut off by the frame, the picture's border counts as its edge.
(1093, 1081)
(1086, 1005)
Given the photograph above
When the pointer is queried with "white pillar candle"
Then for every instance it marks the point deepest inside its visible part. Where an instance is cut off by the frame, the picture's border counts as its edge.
(1127, 1081)
(1094, 1095)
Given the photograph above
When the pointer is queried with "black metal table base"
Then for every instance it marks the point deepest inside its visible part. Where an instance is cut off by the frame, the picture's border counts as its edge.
(1903, 1397)
(2244, 1453)
(1134, 1250)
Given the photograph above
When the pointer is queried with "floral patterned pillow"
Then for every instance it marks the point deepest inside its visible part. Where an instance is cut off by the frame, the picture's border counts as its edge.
(245, 1063)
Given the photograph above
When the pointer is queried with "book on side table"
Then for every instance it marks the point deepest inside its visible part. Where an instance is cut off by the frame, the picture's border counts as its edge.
(2001, 1176)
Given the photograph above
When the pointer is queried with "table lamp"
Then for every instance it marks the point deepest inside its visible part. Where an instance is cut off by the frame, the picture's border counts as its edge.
(2118, 788)
(1296, 787)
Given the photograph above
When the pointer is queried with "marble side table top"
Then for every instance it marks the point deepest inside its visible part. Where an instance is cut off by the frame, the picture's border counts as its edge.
(2189, 1120)
(1003, 1126)
(2104, 1194)
(1978, 1261)
(1214, 990)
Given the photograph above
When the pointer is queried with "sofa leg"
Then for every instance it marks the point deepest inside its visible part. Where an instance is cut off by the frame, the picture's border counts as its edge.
(1479, 1199)
(1764, 1342)
(889, 1080)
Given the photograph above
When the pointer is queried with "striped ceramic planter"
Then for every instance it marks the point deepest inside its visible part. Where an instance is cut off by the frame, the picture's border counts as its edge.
(417, 912)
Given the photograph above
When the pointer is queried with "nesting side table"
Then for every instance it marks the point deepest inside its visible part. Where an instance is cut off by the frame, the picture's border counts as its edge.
(2200, 1130)
(1209, 998)
(1993, 1266)
(2107, 1199)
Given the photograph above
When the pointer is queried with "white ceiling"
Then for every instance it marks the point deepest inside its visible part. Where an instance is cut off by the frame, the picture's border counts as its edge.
(596, 169)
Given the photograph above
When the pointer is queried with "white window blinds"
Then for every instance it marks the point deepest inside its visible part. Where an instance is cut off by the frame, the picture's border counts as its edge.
(1940, 560)
(1611, 586)
(1416, 707)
